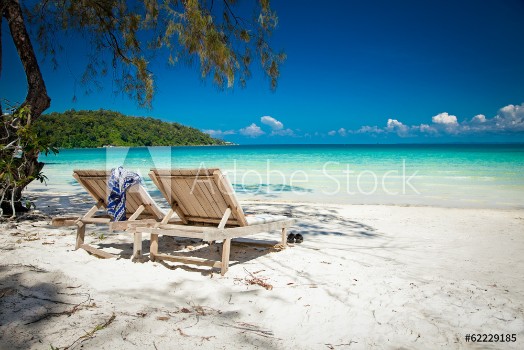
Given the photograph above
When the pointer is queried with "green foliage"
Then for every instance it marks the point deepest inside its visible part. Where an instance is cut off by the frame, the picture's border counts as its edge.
(126, 36)
(19, 145)
(80, 129)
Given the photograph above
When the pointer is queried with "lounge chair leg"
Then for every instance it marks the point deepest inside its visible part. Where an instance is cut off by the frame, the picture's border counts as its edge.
(80, 234)
(137, 247)
(153, 248)
(284, 236)
(226, 248)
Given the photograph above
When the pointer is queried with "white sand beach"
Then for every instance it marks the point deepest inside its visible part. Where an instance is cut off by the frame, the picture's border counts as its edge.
(365, 277)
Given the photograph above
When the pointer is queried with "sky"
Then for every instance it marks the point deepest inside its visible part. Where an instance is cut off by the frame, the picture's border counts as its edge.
(356, 72)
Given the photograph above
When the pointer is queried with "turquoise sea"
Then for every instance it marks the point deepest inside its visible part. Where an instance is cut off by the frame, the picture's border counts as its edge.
(489, 176)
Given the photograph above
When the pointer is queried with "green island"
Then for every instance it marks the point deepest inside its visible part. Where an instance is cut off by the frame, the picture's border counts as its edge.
(87, 129)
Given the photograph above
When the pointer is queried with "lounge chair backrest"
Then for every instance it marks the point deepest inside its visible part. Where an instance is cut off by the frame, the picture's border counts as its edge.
(199, 196)
(95, 183)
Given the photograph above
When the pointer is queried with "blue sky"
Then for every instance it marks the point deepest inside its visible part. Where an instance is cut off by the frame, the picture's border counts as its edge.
(357, 72)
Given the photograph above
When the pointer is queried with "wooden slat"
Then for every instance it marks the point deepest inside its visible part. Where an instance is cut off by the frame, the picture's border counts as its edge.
(97, 252)
(173, 202)
(217, 195)
(172, 233)
(172, 193)
(166, 218)
(199, 219)
(254, 229)
(204, 184)
(90, 177)
(189, 260)
(100, 186)
(156, 180)
(210, 197)
(95, 220)
(214, 196)
(65, 221)
(200, 200)
(229, 196)
(223, 222)
(175, 227)
(226, 184)
(87, 187)
(185, 172)
(92, 211)
(90, 173)
(151, 206)
(103, 189)
(185, 190)
(189, 176)
(130, 225)
(176, 194)
(176, 208)
(137, 212)
(255, 243)
(212, 233)
(208, 204)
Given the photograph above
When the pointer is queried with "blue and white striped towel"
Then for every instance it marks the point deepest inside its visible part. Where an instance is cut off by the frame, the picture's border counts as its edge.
(119, 181)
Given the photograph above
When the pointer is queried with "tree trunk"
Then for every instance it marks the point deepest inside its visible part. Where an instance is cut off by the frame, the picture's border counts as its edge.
(36, 100)
(36, 97)
(1, 20)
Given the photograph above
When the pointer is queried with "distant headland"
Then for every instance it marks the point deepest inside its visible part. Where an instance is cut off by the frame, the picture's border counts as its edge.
(103, 128)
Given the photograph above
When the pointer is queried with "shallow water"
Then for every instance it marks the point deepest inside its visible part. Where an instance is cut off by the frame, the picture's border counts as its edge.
(439, 175)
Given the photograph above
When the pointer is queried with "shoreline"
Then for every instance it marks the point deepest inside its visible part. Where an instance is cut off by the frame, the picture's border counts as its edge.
(35, 193)
(366, 276)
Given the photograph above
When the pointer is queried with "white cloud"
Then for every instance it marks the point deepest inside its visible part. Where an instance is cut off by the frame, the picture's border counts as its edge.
(332, 133)
(342, 132)
(252, 131)
(446, 122)
(284, 132)
(370, 129)
(219, 133)
(444, 118)
(509, 119)
(480, 118)
(394, 125)
(425, 128)
(272, 122)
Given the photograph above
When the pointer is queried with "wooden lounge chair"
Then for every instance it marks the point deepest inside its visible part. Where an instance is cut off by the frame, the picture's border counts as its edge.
(208, 209)
(141, 209)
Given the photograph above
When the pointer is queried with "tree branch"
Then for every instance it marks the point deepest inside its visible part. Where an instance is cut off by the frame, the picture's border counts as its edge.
(37, 97)
(231, 12)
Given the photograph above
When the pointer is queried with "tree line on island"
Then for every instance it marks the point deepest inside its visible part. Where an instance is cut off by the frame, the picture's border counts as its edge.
(87, 129)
